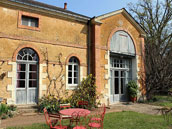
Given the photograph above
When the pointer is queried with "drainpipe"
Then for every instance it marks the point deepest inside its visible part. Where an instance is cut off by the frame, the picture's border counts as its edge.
(89, 47)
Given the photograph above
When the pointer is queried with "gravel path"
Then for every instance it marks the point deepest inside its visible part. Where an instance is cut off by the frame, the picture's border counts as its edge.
(29, 119)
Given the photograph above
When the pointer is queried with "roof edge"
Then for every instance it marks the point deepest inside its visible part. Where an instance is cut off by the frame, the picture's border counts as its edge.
(126, 14)
(57, 12)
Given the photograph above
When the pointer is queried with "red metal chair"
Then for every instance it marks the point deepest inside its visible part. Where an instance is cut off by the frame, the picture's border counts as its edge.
(83, 104)
(80, 119)
(96, 120)
(52, 122)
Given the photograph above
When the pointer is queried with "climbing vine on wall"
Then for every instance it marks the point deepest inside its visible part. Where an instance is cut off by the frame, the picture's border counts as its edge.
(57, 78)
(2, 74)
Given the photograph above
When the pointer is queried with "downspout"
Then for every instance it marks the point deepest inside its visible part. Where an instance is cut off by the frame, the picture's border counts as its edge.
(89, 48)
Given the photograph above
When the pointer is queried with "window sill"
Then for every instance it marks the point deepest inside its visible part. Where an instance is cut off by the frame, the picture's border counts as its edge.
(29, 27)
(71, 87)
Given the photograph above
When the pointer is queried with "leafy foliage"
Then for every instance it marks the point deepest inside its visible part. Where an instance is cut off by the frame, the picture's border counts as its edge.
(132, 88)
(6, 111)
(86, 91)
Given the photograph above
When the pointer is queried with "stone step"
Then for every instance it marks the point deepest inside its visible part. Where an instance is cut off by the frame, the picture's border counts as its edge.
(22, 109)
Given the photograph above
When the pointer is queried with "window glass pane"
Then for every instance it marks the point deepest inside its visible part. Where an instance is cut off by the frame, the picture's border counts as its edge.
(75, 74)
(75, 80)
(69, 67)
(76, 67)
(116, 85)
(20, 83)
(69, 74)
(32, 83)
(122, 85)
(30, 58)
(21, 75)
(21, 67)
(34, 22)
(25, 57)
(69, 80)
(33, 67)
(33, 75)
(116, 73)
(25, 20)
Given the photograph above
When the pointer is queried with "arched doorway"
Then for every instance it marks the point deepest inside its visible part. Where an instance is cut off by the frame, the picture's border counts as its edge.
(122, 56)
(27, 76)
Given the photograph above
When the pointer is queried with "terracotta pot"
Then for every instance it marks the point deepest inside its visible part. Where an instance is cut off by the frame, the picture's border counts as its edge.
(133, 99)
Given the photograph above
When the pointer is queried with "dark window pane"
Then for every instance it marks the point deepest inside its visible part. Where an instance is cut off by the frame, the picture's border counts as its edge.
(122, 85)
(116, 86)
(21, 75)
(76, 67)
(34, 22)
(33, 67)
(116, 73)
(20, 83)
(25, 21)
(69, 80)
(30, 58)
(70, 67)
(75, 74)
(32, 75)
(21, 67)
(69, 74)
(25, 57)
(32, 83)
(75, 80)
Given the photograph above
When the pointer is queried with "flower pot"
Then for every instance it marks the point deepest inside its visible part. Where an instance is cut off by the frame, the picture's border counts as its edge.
(133, 99)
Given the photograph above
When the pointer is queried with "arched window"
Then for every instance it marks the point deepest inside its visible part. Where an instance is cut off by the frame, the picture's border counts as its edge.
(73, 71)
(27, 76)
(121, 43)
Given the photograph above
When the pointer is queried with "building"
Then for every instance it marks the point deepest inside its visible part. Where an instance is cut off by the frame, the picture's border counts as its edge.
(46, 49)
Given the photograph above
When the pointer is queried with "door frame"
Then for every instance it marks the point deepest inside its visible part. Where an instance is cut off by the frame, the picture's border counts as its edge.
(27, 63)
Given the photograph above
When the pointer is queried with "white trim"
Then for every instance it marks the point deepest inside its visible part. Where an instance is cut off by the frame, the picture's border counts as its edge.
(42, 76)
(11, 87)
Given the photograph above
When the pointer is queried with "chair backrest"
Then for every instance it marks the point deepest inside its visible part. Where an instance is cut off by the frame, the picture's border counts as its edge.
(47, 118)
(81, 116)
(83, 103)
(67, 105)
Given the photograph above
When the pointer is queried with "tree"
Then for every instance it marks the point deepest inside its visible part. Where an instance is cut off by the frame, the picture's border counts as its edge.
(155, 17)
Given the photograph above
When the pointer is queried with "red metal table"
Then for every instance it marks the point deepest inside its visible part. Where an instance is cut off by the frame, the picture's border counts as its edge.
(72, 110)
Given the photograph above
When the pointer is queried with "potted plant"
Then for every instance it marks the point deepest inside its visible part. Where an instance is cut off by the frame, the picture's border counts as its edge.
(132, 90)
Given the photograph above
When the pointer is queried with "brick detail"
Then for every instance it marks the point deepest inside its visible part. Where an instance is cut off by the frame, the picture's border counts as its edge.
(27, 46)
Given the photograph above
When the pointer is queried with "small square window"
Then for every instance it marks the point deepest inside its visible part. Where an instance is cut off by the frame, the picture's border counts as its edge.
(29, 21)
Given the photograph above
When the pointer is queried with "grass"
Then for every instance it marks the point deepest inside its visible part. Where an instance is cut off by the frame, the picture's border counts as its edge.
(121, 120)
(159, 100)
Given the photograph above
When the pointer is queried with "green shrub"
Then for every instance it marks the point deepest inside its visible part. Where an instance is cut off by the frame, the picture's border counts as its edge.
(132, 88)
(49, 102)
(86, 91)
(4, 116)
(3, 109)
(12, 107)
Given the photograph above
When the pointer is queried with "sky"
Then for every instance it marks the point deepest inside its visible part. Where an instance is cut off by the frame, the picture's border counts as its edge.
(90, 8)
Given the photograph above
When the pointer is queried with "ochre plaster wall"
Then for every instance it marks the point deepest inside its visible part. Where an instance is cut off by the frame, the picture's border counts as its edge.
(56, 36)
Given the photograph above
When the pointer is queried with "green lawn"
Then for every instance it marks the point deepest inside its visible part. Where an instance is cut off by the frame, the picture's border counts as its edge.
(165, 101)
(122, 120)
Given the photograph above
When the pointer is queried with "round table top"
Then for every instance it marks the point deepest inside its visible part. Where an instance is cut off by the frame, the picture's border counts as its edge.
(72, 110)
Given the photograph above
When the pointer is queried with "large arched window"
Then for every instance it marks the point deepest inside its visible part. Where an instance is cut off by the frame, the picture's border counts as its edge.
(73, 71)
(121, 43)
(27, 76)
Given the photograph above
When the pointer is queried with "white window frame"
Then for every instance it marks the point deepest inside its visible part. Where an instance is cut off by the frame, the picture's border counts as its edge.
(72, 85)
